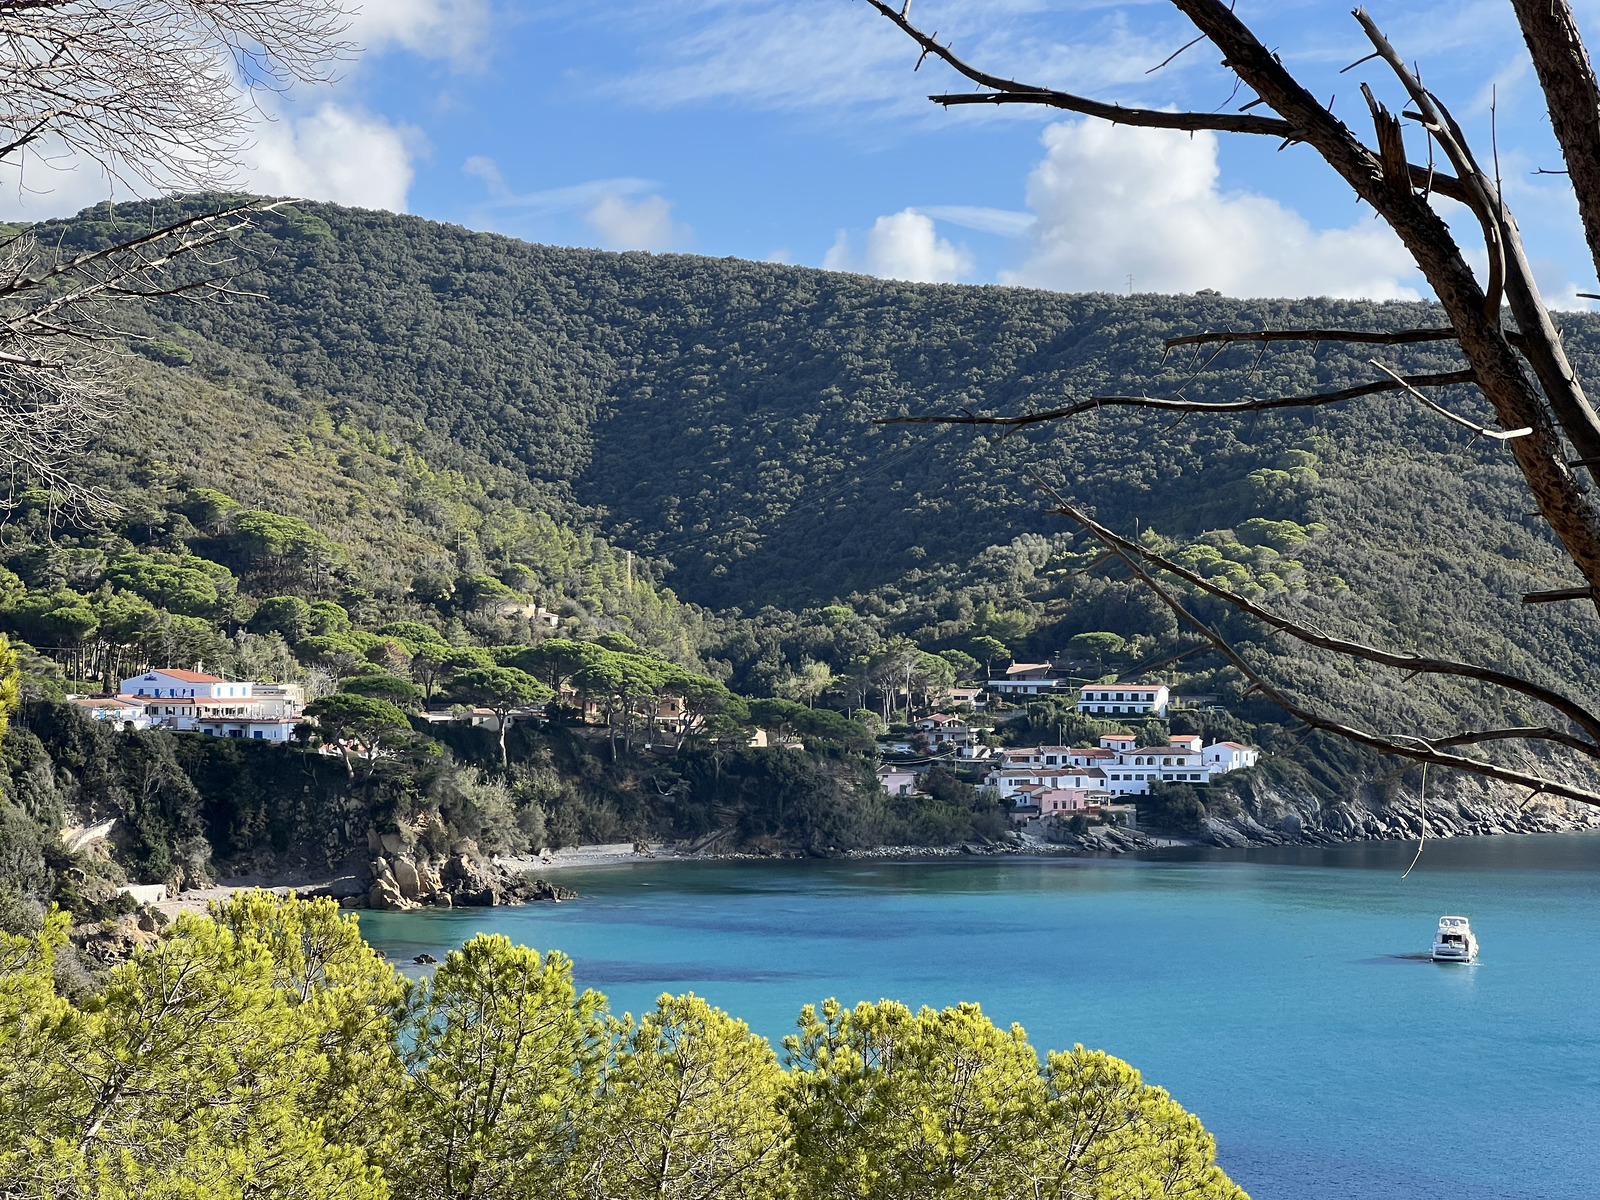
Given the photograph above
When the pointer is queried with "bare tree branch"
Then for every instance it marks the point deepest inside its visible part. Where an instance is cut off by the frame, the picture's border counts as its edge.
(1573, 100)
(1399, 337)
(1410, 746)
(1537, 733)
(1172, 404)
(156, 93)
(1416, 664)
(1499, 435)
(1009, 91)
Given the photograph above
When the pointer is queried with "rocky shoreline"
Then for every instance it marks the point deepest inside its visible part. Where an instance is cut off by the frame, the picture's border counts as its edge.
(395, 881)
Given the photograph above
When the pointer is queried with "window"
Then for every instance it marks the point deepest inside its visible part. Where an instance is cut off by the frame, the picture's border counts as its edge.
(255, 733)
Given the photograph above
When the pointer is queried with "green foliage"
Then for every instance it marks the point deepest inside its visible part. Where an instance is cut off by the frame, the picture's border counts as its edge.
(267, 1050)
(891, 1103)
(392, 688)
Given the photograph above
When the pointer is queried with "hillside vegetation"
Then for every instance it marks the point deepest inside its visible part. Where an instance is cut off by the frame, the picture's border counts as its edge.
(403, 442)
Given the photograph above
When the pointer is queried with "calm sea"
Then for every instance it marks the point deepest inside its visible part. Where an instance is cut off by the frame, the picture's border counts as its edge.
(1280, 994)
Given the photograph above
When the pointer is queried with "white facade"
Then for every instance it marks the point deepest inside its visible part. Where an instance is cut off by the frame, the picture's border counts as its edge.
(192, 701)
(896, 782)
(1130, 699)
(262, 729)
(1230, 756)
(1027, 679)
(190, 685)
(1133, 771)
(126, 713)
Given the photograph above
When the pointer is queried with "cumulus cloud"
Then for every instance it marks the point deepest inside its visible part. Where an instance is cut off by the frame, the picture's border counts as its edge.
(340, 154)
(1112, 202)
(451, 29)
(903, 245)
(335, 152)
(644, 224)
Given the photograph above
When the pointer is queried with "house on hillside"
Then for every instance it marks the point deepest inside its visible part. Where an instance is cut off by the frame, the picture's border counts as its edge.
(1124, 699)
(184, 685)
(897, 781)
(1135, 768)
(195, 701)
(1222, 757)
(124, 712)
(1027, 679)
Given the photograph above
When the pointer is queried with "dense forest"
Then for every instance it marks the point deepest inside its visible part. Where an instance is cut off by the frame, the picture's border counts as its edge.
(409, 464)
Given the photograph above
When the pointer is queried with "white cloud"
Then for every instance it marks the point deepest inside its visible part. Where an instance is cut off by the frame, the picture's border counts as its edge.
(644, 224)
(902, 245)
(336, 153)
(1113, 202)
(340, 154)
(53, 183)
(986, 220)
(488, 170)
(551, 200)
(452, 29)
(805, 55)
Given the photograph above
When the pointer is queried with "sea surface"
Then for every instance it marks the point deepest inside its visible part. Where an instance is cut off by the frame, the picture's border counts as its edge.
(1282, 994)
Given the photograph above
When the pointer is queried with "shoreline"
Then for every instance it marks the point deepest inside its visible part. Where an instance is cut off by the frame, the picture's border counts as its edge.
(1111, 843)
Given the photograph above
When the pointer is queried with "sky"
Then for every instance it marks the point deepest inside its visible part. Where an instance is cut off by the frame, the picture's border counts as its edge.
(798, 131)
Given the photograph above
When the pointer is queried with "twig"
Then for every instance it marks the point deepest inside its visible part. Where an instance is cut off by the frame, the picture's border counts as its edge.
(1500, 435)
(1168, 404)
(1422, 810)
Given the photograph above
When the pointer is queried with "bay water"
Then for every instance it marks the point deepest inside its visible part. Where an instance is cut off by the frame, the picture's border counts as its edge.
(1284, 995)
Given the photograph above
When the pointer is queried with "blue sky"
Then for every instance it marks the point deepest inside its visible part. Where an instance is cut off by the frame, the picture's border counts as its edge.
(796, 130)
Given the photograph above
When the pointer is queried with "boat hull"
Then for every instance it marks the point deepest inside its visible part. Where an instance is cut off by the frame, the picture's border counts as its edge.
(1454, 954)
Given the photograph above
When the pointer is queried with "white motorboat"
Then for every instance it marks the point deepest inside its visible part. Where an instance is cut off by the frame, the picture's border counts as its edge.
(1454, 941)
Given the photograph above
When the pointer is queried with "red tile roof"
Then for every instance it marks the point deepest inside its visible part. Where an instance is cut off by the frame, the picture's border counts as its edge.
(187, 676)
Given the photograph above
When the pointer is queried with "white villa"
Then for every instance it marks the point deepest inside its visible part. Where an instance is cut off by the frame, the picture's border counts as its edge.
(1118, 766)
(1230, 756)
(1027, 679)
(197, 702)
(1125, 698)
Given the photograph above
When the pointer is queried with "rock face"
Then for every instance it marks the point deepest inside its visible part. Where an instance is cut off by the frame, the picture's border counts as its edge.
(475, 883)
(405, 875)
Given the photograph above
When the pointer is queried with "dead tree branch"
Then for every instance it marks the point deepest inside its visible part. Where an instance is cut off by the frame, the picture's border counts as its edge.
(1173, 404)
(1416, 664)
(157, 95)
(1410, 746)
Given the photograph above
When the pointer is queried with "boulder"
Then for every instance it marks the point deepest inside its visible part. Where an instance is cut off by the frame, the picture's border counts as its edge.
(374, 843)
(405, 874)
(385, 896)
(1220, 833)
(392, 843)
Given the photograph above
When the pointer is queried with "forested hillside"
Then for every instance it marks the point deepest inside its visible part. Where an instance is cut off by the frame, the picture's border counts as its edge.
(717, 415)
(404, 449)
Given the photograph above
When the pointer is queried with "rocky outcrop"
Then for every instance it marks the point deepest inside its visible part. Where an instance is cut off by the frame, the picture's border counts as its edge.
(401, 883)
(1453, 808)
(476, 883)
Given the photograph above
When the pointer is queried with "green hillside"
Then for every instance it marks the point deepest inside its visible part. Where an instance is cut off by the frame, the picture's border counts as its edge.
(715, 415)
(403, 435)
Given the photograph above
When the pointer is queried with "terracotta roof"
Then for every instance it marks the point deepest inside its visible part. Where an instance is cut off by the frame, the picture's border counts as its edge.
(1229, 745)
(187, 676)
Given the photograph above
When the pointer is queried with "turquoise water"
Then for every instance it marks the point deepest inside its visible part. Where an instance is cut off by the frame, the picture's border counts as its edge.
(1277, 993)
